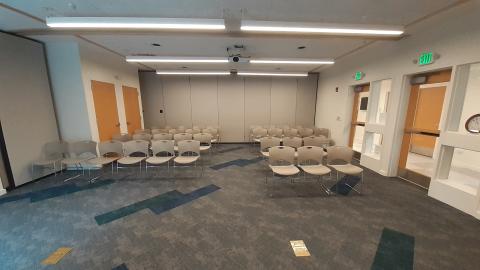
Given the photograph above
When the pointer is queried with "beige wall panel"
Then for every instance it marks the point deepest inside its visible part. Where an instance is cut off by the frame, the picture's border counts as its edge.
(306, 100)
(257, 102)
(231, 100)
(152, 99)
(204, 101)
(178, 109)
(283, 101)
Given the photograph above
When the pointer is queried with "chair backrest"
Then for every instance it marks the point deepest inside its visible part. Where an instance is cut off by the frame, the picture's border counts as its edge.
(320, 141)
(305, 132)
(159, 130)
(121, 137)
(53, 150)
(167, 127)
(291, 132)
(163, 146)
(142, 131)
(203, 138)
(281, 155)
(193, 131)
(189, 147)
(211, 130)
(82, 148)
(181, 129)
(267, 142)
(136, 146)
(163, 136)
(339, 153)
(182, 137)
(322, 132)
(260, 132)
(173, 131)
(197, 127)
(294, 142)
(309, 154)
(110, 148)
(275, 132)
(142, 136)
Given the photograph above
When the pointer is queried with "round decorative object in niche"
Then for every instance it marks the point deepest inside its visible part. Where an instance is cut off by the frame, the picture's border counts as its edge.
(473, 124)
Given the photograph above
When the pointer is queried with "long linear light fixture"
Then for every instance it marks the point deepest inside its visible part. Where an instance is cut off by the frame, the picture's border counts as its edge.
(174, 72)
(280, 74)
(175, 59)
(135, 23)
(295, 61)
(315, 28)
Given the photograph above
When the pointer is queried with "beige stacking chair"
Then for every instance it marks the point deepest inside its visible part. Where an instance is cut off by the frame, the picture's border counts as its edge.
(142, 131)
(305, 132)
(282, 162)
(319, 141)
(294, 142)
(121, 137)
(142, 136)
(131, 149)
(163, 152)
(167, 128)
(291, 132)
(181, 137)
(158, 131)
(52, 153)
(275, 132)
(109, 152)
(310, 159)
(266, 143)
(163, 136)
(321, 132)
(181, 129)
(214, 132)
(344, 155)
(79, 153)
(193, 131)
(259, 133)
(205, 140)
(188, 154)
(197, 128)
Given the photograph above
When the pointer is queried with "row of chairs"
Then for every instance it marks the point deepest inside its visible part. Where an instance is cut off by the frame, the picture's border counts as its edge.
(83, 154)
(260, 132)
(295, 142)
(168, 130)
(285, 161)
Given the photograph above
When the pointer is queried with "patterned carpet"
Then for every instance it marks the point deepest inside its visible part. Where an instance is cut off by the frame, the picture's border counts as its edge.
(230, 219)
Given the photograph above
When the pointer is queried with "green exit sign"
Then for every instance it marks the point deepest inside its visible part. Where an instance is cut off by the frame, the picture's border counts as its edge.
(425, 58)
(358, 76)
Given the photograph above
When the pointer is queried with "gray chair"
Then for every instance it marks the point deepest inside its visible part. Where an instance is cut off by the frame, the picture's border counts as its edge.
(52, 153)
(78, 154)
(281, 161)
(310, 159)
(109, 152)
(162, 154)
(135, 152)
(339, 158)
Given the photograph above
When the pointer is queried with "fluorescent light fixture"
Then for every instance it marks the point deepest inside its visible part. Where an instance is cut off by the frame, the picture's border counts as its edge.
(173, 59)
(135, 23)
(314, 28)
(293, 61)
(179, 72)
(281, 74)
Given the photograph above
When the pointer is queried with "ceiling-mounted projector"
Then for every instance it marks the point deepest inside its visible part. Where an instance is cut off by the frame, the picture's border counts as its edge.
(238, 59)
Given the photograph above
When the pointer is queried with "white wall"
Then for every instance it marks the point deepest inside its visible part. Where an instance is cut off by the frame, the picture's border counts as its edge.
(67, 87)
(233, 103)
(455, 35)
(101, 65)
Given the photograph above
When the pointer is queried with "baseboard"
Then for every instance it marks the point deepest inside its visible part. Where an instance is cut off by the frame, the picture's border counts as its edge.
(2, 191)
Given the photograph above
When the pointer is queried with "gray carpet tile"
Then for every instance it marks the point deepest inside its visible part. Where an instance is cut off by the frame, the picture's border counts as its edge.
(246, 224)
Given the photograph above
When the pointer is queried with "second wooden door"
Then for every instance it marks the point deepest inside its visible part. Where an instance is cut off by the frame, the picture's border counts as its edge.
(105, 103)
(132, 108)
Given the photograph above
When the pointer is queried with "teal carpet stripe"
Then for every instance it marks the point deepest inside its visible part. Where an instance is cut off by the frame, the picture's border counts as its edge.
(121, 267)
(395, 251)
(158, 204)
(65, 190)
(133, 208)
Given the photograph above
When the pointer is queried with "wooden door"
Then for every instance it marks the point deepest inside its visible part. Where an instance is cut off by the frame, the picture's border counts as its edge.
(106, 111)
(355, 111)
(132, 108)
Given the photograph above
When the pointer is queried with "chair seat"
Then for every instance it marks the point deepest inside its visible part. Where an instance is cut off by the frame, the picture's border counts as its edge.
(265, 154)
(186, 159)
(175, 148)
(348, 169)
(214, 140)
(158, 160)
(285, 170)
(315, 169)
(44, 162)
(205, 147)
(74, 161)
(130, 160)
(257, 139)
(102, 160)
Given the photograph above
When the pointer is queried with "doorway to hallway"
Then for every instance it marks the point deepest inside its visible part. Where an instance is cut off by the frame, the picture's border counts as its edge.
(421, 130)
(359, 117)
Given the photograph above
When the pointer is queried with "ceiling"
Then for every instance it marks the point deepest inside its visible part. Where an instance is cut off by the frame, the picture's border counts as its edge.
(27, 17)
